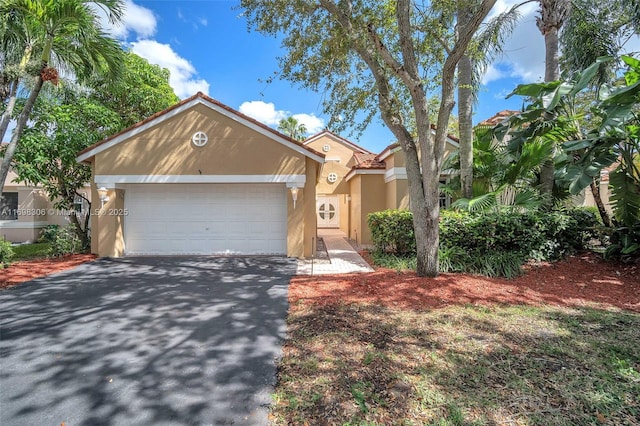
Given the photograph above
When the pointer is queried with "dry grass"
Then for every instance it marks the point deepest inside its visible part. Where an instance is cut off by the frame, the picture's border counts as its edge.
(362, 364)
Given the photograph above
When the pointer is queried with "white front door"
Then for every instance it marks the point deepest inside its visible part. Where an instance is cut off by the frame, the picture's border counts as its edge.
(328, 212)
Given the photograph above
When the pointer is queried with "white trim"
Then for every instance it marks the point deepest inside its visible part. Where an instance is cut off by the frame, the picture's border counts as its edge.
(178, 110)
(395, 173)
(110, 181)
(354, 172)
(389, 152)
(398, 148)
(14, 224)
(336, 159)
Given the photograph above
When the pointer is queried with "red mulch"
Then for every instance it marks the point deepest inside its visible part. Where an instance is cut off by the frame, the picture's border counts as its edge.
(20, 272)
(583, 280)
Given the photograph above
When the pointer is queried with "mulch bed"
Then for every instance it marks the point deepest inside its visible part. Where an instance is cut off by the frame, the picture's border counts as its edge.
(27, 270)
(583, 280)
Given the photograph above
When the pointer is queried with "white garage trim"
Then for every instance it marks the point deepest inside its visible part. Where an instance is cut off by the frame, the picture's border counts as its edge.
(205, 219)
(109, 181)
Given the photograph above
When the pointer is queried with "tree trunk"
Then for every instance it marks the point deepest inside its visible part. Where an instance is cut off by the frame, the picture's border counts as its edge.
(551, 73)
(6, 115)
(17, 133)
(595, 190)
(465, 126)
(80, 232)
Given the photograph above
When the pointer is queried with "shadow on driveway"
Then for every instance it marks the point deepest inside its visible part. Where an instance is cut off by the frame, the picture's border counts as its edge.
(144, 341)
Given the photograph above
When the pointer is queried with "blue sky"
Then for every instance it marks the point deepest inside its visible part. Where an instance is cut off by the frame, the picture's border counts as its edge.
(207, 47)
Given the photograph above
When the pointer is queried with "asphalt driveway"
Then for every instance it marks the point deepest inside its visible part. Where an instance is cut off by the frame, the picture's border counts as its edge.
(133, 341)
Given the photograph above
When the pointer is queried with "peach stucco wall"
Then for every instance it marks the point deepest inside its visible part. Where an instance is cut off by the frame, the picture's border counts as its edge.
(166, 149)
(366, 197)
(339, 151)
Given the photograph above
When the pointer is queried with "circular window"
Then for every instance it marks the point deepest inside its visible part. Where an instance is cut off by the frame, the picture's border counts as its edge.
(199, 139)
(332, 178)
(326, 148)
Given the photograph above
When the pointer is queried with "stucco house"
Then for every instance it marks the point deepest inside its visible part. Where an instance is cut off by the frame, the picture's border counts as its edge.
(25, 210)
(355, 182)
(202, 178)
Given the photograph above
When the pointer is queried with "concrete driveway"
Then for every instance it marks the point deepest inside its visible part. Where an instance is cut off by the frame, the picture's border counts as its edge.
(162, 341)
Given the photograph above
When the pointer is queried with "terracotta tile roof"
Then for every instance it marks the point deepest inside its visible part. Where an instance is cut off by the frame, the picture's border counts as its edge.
(213, 101)
(367, 161)
(498, 118)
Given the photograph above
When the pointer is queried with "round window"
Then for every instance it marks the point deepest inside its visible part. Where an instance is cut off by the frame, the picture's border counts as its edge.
(199, 139)
(332, 178)
(326, 148)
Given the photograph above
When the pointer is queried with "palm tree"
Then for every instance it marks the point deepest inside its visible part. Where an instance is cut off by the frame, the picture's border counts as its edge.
(292, 128)
(484, 48)
(552, 15)
(65, 36)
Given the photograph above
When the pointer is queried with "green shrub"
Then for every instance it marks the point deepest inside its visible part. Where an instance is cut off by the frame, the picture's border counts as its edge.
(487, 243)
(392, 231)
(6, 253)
(48, 233)
(393, 261)
(624, 244)
(66, 241)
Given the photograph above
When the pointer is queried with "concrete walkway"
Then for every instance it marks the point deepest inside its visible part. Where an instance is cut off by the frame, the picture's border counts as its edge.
(343, 258)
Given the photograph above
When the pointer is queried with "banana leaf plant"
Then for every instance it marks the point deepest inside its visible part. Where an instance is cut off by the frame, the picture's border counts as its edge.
(602, 136)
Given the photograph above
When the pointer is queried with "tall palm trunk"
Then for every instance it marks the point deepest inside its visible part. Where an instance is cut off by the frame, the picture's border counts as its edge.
(465, 112)
(552, 16)
(22, 122)
(6, 115)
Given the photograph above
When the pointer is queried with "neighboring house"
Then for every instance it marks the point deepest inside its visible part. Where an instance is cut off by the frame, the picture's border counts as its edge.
(356, 182)
(202, 178)
(25, 210)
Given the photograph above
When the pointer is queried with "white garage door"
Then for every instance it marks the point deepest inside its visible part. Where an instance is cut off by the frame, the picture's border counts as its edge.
(205, 219)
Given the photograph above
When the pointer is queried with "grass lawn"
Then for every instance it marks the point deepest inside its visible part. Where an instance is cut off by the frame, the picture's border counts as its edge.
(365, 364)
(30, 251)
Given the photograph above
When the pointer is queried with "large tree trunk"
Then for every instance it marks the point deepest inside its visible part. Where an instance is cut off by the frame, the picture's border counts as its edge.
(17, 133)
(6, 115)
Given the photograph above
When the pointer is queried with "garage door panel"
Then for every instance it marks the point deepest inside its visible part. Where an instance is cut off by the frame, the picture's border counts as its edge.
(206, 219)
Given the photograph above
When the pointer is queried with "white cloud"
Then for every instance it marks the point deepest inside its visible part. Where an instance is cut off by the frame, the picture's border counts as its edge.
(266, 113)
(523, 55)
(183, 77)
(136, 19)
(311, 122)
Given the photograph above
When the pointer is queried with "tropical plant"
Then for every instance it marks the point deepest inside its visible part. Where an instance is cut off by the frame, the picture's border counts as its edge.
(69, 118)
(613, 137)
(594, 29)
(503, 177)
(55, 36)
(292, 128)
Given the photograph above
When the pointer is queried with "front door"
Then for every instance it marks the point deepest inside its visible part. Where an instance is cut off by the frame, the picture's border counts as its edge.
(328, 212)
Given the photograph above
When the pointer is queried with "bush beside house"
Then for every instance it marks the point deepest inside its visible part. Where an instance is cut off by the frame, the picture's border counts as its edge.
(488, 243)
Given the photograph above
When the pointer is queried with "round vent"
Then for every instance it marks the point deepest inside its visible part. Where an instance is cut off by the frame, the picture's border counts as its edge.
(332, 178)
(326, 148)
(199, 139)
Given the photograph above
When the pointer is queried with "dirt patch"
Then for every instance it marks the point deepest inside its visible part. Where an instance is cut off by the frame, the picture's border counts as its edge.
(20, 272)
(583, 280)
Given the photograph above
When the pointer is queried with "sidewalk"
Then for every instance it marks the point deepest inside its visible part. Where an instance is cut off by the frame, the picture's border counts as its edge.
(343, 258)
